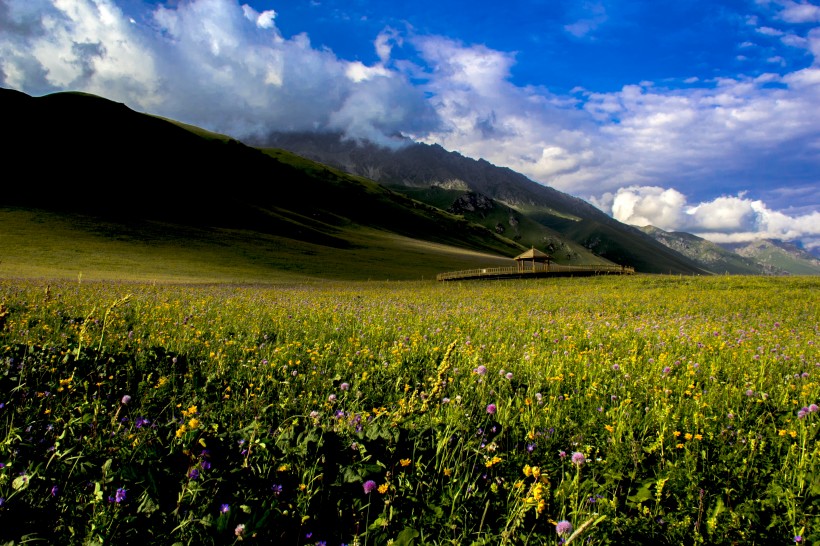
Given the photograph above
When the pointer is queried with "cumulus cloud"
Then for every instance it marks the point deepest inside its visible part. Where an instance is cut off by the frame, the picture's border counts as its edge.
(214, 63)
(724, 219)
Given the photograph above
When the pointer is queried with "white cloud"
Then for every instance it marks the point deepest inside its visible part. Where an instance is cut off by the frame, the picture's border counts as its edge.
(649, 205)
(593, 16)
(769, 31)
(213, 63)
(724, 219)
(384, 43)
(800, 12)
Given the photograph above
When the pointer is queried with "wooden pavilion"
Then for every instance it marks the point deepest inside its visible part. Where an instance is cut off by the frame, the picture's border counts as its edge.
(533, 256)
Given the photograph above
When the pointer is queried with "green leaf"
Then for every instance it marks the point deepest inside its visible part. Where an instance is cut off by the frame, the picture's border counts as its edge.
(643, 494)
(20, 483)
(406, 538)
(379, 523)
(147, 504)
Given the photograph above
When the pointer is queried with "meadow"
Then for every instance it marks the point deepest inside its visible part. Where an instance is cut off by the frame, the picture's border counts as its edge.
(650, 409)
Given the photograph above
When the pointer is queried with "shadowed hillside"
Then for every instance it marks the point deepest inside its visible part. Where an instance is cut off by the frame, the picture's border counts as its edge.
(568, 219)
(92, 156)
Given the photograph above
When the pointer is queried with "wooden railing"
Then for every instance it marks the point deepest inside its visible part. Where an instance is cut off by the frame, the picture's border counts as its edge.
(537, 270)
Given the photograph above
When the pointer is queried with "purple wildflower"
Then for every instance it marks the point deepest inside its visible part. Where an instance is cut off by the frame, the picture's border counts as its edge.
(331, 398)
(491, 409)
(126, 399)
(481, 370)
(666, 370)
(140, 422)
(54, 491)
(193, 474)
(119, 496)
(578, 458)
(369, 486)
(813, 408)
(750, 392)
(563, 527)
(344, 386)
(509, 375)
(240, 530)
(616, 367)
(277, 489)
(562, 454)
(225, 508)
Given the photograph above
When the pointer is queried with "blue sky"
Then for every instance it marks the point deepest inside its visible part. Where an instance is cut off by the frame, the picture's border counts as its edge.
(699, 116)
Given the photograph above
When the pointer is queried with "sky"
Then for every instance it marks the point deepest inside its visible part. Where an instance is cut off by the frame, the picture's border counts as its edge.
(691, 115)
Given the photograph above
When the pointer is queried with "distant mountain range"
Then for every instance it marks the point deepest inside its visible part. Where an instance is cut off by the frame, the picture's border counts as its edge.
(764, 257)
(498, 198)
(306, 195)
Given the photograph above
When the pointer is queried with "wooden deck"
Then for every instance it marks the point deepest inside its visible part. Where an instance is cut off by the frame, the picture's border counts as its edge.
(540, 270)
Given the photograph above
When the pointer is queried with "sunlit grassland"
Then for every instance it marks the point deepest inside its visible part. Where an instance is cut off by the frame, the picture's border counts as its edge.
(39, 244)
(641, 410)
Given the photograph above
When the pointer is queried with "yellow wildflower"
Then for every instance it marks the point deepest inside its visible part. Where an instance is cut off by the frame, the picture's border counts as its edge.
(493, 461)
(405, 462)
(383, 488)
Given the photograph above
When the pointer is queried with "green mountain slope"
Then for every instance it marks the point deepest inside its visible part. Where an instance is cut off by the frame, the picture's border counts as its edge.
(133, 172)
(707, 254)
(778, 257)
(505, 220)
(420, 166)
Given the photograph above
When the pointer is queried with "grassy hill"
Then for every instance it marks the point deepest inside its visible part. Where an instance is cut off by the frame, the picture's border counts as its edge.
(46, 244)
(762, 257)
(504, 220)
(778, 257)
(707, 254)
(111, 182)
(563, 218)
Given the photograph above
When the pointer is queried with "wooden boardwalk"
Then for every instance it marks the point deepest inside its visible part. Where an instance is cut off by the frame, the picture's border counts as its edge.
(540, 270)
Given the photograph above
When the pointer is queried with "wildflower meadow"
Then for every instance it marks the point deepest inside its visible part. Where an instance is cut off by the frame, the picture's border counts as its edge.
(605, 410)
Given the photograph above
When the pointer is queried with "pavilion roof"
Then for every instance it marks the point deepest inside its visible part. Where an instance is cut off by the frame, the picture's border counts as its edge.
(533, 254)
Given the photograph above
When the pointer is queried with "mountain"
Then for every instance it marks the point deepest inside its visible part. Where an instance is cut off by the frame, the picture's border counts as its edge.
(708, 255)
(531, 213)
(145, 177)
(778, 256)
(764, 257)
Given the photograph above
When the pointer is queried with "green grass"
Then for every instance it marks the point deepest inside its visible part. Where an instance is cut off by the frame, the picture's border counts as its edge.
(640, 410)
(49, 245)
(525, 231)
